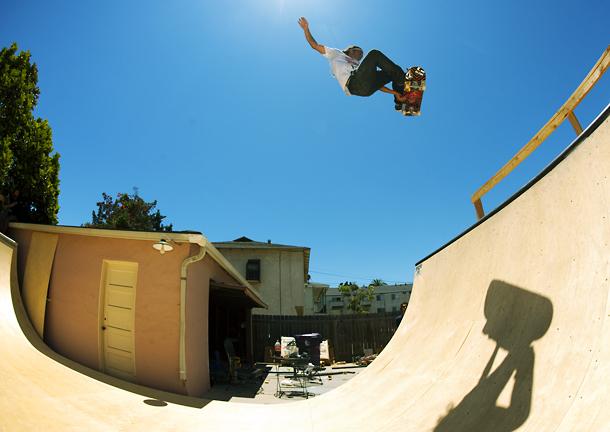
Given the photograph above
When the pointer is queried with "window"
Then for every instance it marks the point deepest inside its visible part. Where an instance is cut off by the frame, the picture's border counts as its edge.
(253, 270)
(380, 310)
(379, 297)
(394, 296)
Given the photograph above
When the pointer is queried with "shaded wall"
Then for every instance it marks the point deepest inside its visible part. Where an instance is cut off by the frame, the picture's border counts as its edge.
(197, 309)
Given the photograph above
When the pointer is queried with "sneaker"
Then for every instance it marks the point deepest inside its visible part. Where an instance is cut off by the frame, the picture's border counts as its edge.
(398, 106)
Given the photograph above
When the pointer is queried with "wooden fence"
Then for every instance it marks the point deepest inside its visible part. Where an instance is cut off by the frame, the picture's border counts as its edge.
(349, 335)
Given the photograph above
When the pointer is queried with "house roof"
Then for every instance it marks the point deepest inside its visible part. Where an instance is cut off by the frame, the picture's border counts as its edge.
(243, 290)
(246, 243)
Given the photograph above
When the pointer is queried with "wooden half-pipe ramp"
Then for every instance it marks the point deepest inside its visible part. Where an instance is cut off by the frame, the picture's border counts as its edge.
(508, 329)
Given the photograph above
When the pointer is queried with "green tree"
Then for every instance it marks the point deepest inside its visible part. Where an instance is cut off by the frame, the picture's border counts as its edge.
(378, 282)
(356, 295)
(128, 212)
(26, 145)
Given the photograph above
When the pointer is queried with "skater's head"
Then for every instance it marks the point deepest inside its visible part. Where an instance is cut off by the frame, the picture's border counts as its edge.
(354, 52)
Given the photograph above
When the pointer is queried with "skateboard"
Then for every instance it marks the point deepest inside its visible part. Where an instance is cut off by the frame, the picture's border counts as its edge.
(414, 89)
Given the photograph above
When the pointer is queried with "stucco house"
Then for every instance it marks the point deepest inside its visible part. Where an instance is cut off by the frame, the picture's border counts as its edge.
(278, 272)
(109, 300)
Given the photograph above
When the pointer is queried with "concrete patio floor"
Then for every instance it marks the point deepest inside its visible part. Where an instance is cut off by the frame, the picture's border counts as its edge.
(263, 389)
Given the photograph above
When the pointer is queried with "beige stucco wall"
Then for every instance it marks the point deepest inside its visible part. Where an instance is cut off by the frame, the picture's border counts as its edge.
(72, 326)
(282, 277)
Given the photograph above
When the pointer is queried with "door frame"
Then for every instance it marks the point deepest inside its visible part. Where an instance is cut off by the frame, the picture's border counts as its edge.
(106, 264)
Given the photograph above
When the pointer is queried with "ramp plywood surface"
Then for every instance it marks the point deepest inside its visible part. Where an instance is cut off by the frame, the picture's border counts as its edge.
(507, 329)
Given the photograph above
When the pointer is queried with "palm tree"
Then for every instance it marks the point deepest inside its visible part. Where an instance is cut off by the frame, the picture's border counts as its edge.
(378, 282)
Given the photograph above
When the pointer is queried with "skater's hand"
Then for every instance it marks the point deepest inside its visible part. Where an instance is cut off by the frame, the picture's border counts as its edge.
(303, 23)
(399, 96)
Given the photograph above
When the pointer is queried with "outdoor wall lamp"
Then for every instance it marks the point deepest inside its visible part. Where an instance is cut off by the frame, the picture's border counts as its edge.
(163, 246)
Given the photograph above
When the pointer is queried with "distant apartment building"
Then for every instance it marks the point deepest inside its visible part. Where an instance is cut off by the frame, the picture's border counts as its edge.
(314, 297)
(387, 299)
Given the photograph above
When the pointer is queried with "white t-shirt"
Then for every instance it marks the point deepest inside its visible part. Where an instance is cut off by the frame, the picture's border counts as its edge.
(342, 66)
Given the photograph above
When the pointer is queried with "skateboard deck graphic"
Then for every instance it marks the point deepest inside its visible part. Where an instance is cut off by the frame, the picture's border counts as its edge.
(415, 85)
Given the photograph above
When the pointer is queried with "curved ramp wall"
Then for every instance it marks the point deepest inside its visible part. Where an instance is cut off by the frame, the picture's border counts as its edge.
(508, 329)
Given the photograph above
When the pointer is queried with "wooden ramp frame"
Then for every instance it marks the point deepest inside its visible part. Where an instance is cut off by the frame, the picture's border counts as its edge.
(566, 111)
(508, 329)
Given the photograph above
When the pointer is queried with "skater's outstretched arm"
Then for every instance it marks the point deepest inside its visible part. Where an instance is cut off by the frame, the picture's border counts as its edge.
(305, 26)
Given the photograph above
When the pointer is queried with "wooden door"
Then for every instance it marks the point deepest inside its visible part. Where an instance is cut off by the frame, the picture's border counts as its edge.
(119, 297)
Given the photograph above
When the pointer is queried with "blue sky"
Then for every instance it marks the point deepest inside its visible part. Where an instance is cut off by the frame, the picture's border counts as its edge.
(222, 112)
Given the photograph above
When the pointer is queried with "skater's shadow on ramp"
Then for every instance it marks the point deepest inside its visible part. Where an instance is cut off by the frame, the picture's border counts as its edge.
(515, 319)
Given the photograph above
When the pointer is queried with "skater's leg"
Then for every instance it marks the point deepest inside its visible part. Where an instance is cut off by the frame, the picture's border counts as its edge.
(376, 59)
(367, 79)
(366, 82)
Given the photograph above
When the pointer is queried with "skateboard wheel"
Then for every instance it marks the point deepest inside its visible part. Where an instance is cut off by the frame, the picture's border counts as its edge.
(418, 113)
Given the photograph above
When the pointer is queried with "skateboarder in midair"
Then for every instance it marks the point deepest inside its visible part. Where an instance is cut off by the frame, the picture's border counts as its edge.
(358, 76)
